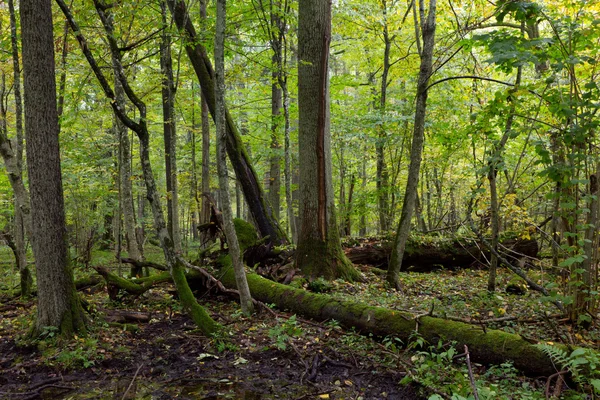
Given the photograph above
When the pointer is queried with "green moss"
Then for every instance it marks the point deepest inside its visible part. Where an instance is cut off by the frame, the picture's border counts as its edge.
(325, 258)
(246, 233)
(196, 312)
(486, 347)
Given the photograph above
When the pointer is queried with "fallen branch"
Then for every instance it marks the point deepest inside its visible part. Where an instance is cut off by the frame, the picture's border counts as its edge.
(514, 268)
(471, 378)
(143, 264)
(131, 383)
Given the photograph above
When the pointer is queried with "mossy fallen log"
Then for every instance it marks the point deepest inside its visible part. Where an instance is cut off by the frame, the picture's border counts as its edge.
(486, 346)
(425, 256)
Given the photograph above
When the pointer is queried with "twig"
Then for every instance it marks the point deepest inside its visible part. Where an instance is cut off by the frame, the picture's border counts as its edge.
(558, 377)
(132, 380)
(471, 378)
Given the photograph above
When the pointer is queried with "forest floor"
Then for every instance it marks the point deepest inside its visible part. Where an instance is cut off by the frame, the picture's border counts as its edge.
(273, 355)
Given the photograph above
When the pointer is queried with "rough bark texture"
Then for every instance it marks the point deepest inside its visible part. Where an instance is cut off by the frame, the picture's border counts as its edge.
(319, 251)
(126, 189)
(221, 128)
(410, 194)
(276, 30)
(12, 155)
(262, 213)
(452, 254)
(486, 347)
(58, 303)
(169, 132)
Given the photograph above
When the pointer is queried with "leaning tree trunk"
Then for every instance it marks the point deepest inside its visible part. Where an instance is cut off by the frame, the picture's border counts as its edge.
(319, 251)
(255, 198)
(197, 313)
(410, 194)
(58, 303)
(221, 127)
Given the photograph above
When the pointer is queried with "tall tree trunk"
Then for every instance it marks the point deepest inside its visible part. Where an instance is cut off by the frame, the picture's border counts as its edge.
(289, 201)
(410, 194)
(63, 74)
(261, 211)
(495, 162)
(170, 132)
(125, 183)
(196, 312)
(319, 251)
(276, 30)
(58, 303)
(194, 195)
(205, 215)
(275, 161)
(22, 224)
(362, 232)
(221, 128)
(382, 175)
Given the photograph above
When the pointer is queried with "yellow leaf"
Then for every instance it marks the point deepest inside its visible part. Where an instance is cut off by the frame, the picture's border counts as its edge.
(324, 396)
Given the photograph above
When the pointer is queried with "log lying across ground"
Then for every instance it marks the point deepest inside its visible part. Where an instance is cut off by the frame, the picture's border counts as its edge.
(486, 347)
(448, 254)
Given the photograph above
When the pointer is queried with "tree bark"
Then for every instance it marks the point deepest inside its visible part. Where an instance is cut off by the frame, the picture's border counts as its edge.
(197, 313)
(125, 183)
(221, 128)
(382, 175)
(169, 131)
(451, 254)
(319, 251)
(494, 163)
(58, 303)
(253, 193)
(487, 346)
(12, 155)
(410, 194)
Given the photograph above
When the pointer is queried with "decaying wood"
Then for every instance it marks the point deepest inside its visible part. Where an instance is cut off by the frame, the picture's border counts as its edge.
(143, 264)
(487, 346)
(451, 255)
(124, 316)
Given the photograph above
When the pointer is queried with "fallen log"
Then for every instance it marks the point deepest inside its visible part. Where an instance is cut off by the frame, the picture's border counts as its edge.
(143, 264)
(449, 254)
(124, 316)
(487, 346)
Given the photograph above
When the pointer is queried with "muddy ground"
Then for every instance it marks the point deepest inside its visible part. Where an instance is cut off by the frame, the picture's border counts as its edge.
(266, 357)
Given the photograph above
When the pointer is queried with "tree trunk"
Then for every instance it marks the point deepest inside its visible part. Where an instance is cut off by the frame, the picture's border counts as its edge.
(205, 215)
(221, 128)
(382, 175)
(495, 162)
(319, 251)
(125, 183)
(22, 221)
(170, 133)
(58, 303)
(448, 254)
(276, 103)
(255, 198)
(197, 313)
(410, 194)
